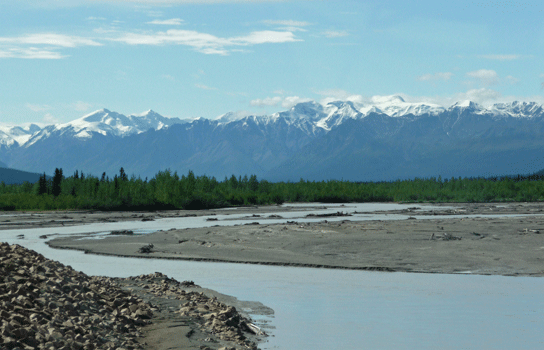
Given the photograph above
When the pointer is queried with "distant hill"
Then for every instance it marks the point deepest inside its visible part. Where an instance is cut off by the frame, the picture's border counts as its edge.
(12, 176)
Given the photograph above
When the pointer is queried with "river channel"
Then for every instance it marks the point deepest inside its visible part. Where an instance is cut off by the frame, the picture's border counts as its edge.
(340, 309)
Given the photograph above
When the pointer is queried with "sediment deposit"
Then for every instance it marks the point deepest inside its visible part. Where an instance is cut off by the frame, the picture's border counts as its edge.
(47, 305)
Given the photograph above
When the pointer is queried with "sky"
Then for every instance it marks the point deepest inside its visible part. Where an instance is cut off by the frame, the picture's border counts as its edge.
(62, 59)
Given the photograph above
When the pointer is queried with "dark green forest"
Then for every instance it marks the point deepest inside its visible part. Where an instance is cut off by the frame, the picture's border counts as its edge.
(168, 190)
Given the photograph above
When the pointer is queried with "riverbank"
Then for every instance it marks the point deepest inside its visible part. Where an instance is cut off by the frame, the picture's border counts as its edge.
(49, 305)
(491, 245)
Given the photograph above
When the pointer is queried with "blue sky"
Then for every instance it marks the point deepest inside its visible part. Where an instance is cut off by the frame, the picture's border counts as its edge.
(61, 59)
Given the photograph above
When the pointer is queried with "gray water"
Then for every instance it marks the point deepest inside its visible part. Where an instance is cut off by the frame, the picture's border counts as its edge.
(342, 309)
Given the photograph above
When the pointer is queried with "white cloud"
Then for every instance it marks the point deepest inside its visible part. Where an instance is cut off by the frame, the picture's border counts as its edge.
(50, 119)
(285, 102)
(81, 106)
(51, 39)
(25, 46)
(173, 2)
(169, 22)
(206, 43)
(335, 34)
(445, 76)
(290, 101)
(501, 57)
(168, 77)
(38, 108)
(339, 95)
(269, 101)
(205, 87)
(287, 23)
(265, 36)
(482, 96)
(485, 76)
(30, 53)
(512, 80)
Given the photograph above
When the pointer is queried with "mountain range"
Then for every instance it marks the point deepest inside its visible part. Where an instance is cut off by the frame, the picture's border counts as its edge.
(385, 139)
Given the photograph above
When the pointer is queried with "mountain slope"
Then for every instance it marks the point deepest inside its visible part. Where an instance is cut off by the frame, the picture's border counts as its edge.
(13, 176)
(384, 139)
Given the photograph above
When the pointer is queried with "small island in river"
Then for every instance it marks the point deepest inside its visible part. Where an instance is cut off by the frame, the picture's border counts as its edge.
(497, 239)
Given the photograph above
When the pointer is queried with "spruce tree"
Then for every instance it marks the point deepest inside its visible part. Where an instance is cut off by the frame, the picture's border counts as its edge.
(57, 179)
(42, 185)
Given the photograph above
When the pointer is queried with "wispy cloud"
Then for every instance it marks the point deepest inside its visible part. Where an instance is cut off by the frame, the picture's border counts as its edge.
(167, 22)
(288, 25)
(37, 108)
(501, 57)
(28, 46)
(81, 106)
(205, 87)
(445, 76)
(485, 76)
(174, 2)
(205, 43)
(335, 34)
(483, 96)
(511, 80)
(50, 119)
(332, 95)
(30, 53)
(285, 102)
(52, 39)
(269, 101)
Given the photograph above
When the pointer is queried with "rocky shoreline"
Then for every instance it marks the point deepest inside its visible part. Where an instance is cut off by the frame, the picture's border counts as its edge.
(46, 305)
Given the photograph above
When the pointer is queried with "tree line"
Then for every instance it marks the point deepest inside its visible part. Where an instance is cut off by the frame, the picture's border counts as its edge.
(168, 190)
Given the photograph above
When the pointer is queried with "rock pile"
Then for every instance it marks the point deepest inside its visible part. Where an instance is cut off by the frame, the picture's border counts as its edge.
(46, 305)
(212, 315)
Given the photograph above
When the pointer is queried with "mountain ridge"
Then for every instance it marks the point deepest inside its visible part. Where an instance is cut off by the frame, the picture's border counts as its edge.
(386, 139)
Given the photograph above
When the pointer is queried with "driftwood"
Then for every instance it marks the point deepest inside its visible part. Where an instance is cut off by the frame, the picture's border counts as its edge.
(122, 232)
(146, 249)
(338, 213)
(444, 237)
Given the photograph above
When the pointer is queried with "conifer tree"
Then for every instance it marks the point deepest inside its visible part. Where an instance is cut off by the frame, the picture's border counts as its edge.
(57, 179)
(42, 185)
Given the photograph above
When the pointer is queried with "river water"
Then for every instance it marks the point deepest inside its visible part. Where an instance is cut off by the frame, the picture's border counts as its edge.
(341, 309)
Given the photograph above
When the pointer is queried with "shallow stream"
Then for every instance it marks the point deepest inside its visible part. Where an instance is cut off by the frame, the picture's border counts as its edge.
(340, 309)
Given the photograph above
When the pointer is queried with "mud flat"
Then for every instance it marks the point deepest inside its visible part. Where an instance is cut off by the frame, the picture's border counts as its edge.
(47, 305)
(36, 219)
(495, 244)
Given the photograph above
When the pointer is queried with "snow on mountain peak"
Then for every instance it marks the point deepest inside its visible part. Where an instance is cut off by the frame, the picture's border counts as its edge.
(387, 99)
(467, 104)
(518, 109)
(106, 122)
(231, 116)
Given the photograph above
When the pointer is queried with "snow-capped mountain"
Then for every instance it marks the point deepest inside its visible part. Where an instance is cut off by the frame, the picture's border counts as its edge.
(384, 138)
(16, 135)
(106, 123)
